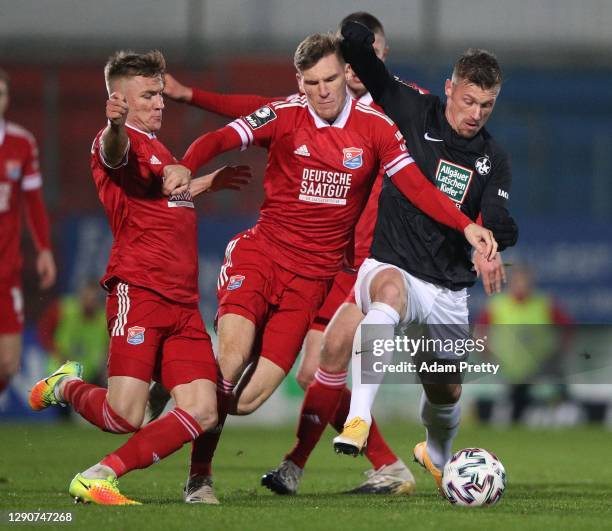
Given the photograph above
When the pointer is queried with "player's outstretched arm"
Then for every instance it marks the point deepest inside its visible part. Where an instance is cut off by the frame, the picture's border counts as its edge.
(114, 140)
(177, 177)
(357, 50)
(225, 178)
(230, 105)
(209, 145)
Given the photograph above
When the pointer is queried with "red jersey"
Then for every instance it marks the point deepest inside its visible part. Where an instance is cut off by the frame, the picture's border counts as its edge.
(19, 179)
(155, 237)
(318, 177)
(234, 105)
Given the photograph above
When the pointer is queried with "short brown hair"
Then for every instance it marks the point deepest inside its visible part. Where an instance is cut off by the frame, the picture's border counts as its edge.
(5, 77)
(126, 63)
(479, 67)
(313, 48)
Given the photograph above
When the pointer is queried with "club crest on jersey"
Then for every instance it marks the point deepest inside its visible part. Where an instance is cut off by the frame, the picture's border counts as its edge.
(235, 282)
(353, 158)
(13, 170)
(135, 335)
(483, 165)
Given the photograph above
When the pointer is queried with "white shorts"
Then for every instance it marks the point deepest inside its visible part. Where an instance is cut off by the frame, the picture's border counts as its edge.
(427, 304)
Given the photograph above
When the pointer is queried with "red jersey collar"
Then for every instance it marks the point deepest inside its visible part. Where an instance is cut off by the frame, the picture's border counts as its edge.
(366, 99)
(151, 136)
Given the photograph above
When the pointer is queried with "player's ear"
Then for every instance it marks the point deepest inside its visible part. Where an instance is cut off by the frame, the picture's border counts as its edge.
(448, 88)
(300, 82)
(385, 53)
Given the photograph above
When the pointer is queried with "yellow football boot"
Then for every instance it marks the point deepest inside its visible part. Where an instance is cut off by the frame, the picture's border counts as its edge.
(42, 394)
(99, 491)
(353, 438)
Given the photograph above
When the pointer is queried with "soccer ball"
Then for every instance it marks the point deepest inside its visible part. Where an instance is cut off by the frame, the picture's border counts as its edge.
(473, 477)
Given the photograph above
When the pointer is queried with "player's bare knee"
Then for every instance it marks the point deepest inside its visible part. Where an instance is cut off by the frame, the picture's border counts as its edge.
(206, 417)
(249, 404)
(130, 412)
(389, 290)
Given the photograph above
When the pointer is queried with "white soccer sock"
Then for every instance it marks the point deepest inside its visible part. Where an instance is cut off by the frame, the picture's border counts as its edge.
(441, 422)
(363, 394)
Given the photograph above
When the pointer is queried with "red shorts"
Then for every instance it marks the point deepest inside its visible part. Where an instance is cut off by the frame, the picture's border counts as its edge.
(342, 286)
(152, 337)
(281, 304)
(11, 309)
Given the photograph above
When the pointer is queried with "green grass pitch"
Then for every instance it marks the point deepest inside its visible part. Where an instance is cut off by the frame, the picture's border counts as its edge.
(557, 479)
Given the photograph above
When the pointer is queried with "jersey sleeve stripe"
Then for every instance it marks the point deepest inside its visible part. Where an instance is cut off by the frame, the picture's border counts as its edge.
(245, 134)
(123, 162)
(31, 182)
(396, 160)
(289, 104)
(391, 171)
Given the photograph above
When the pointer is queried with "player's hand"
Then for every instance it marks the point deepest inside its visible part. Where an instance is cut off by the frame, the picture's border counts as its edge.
(230, 178)
(492, 273)
(176, 179)
(175, 90)
(117, 109)
(356, 32)
(45, 267)
(482, 240)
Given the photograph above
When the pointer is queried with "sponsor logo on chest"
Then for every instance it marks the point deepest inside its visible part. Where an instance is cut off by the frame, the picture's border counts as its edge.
(454, 180)
(327, 187)
(13, 170)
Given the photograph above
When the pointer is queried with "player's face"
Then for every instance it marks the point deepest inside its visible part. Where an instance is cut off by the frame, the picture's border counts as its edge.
(355, 85)
(325, 87)
(4, 98)
(145, 101)
(468, 106)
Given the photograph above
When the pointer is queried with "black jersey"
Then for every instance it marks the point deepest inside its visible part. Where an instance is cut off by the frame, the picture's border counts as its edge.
(475, 173)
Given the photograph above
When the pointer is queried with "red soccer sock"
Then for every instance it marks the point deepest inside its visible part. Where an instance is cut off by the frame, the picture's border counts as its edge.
(203, 448)
(154, 442)
(320, 402)
(377, 451)
(4, 383)
(89, 401)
